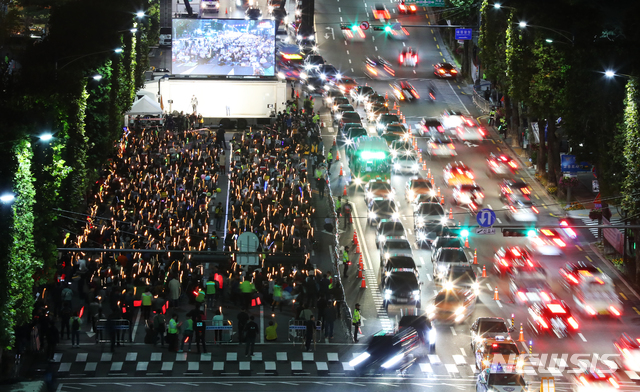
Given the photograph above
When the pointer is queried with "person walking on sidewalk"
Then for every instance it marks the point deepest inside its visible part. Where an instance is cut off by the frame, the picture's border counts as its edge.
(75, 322)
(174, 290)
(309, 332)
(222, 162)
(197, 316)
(329, 320)
(345, 261)
(356, 320)
(210, 290)
(159, 327)
(172, 332)
(147, 300)
(243, 318)
(187, 335)
(218, 212)
(251, 331)
(65, 324)
(217, 321)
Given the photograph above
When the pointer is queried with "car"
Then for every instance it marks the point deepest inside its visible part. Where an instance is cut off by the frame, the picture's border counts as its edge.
(388, 350)
(382, 209)
(353, 33)
(313, 85)
(489, 328)
(459, 277)
(312, 61)
(391, 137)
(378, 189)
(397, 264)
(428, 215)
(408, 57)
(466, 133)
(501, 165)
(405, 164)
(278, 15)
(376, 110)
(629, 351)
(349, 117)
(429, 126)
(594, 378)
(253, 13)
(331, 95)
(498, 381)
(452, 306)
(499, 355)
(443, 258)
(374, 99)
(507, 259)
(400, 283)
(426, 238)
(452, 119)
(393, 247)
(552, 318)
(210, 6)
(469, 195)
(407, 8)
(575, 273)
(404, 91)
(447, 241)
(530, 288)
(328, 72)
(399, 129)
(346, 84)
(360, 93)
(445, 71)
(513, 187)
(457, 173)
(384, 120)
(341, 108)
(402, 147)
(353, 133)
(593, 291)
(416, 187)
(440, 145)
(389, 229)
(548, 242)
(426, 198)
(423, 326)
(338, 101)
(521, 209)
(344, 130)
(376, 67)
(273, 4)
(396, 31)
(380, 12)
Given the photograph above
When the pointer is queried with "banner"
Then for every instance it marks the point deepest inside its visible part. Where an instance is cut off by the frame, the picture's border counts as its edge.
(613, 236)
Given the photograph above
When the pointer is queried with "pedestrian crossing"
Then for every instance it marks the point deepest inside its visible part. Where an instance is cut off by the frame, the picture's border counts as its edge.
(594, 230)
(298, 363)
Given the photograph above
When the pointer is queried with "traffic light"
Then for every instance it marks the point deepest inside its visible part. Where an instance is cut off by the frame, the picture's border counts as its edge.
(378, 28)
(518, 232)
(387, 29)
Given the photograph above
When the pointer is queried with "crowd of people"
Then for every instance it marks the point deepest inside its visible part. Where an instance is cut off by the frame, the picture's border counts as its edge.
(161, 192)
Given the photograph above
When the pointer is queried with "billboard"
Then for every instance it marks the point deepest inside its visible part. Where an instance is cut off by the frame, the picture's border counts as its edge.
(223, 47)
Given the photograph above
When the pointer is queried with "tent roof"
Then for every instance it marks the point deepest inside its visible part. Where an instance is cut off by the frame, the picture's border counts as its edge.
(145, 105)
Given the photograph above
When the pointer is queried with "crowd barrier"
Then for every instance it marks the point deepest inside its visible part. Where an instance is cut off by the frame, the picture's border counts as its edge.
(119, 326)
(298, 332)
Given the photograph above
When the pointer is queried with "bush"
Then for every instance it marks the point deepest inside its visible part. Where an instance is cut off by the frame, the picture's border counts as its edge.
(575, 206)
(552, 189)
(568, 182)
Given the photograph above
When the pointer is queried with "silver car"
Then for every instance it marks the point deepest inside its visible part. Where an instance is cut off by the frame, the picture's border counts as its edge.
(405, 164)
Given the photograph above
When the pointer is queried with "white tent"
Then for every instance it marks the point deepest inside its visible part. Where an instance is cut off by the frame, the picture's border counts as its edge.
(143, 106)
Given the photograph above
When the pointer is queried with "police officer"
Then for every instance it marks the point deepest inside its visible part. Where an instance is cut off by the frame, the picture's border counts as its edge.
(172, 333)
(345, 261)
(339, 205)
(356, 320)
(329, 160)
(247, 289)
(492, 116)
(147, 299)
(200, 295)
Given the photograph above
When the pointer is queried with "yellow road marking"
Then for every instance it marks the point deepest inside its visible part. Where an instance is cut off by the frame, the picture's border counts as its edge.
(537, 197)
(623, 296)
(545, 207)
(459, 87)
(636, 309)
(443, 59)
(579, 248)
(431, 31)
(497, 148)
(434, 38)
(441, 54)
(589, 258)
(438, 46)
(522, 179)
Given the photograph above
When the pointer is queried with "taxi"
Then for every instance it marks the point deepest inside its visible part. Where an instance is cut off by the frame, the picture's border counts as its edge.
(499, 355)
(488, 328)
(457, 173)
(416, 187)
(452, 306)
(508, 259)
(378, 188)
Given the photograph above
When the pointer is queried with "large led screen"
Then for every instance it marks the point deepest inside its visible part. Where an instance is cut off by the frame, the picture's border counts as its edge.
(223, 47)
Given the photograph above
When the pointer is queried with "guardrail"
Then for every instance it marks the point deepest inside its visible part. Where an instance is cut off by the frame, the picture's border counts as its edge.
(118, 326)
(298, 332)
(482, 104)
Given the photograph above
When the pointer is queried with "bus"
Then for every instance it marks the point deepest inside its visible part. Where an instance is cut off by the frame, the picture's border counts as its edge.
(369, 159)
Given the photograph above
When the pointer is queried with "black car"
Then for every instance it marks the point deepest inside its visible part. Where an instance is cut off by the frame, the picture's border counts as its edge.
(384, 120)
(389, 229)
(459, 277)
(426, 331)
(355, 132)
(313, 85)
(382, 209)
(388, 351)
(427, 238)
(401, 288)
(427, 216)
(360, 93)
(447, 241)
(313, 61)
(398, 264)
(328, 72)
(430, 125)
(253, 13)
(443, 258)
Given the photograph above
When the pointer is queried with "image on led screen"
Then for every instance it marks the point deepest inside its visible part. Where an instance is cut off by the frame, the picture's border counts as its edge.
(223, 47)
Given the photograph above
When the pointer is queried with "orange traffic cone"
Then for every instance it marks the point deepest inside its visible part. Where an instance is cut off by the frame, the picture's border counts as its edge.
(340, 170)
(429, 174)
(360, 271)
(521, 338)
(450, 213)
(358, 248)
(334, 141)
(360, 260)
(355, 237)
(442, 200)
(404, 120)
(337, 156)
(419, 158)
(386, 96)
(394, 106)
(475, 256)
(433, 182)
(363, 285)
(226, 11)
(344, 192)
(495, 295)
(466, 242)
(438, 191)
(484, 271)
(424, 165)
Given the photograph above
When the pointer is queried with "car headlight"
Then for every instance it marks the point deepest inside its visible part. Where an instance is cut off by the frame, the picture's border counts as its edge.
(323, 76)
(396, 166)
(443, 220)
(359, 359)
(338, 116)
(465, 199)
(431, 308)
(415, 293)
(312, 37)
(350, 142)
(299, 37)
(460, 310)
(387, 255)
(311, 88)
(448, 286)
(381, 238)
(387, 294)
(411, 195)
(432, 193)
(415, 167)
(281, 75)
(395, 216)
(369, 195)
(420, 236)
(475, 287)
(303, 75)
(394, 360)
(357, 181)
(420, 221)
(372, 215)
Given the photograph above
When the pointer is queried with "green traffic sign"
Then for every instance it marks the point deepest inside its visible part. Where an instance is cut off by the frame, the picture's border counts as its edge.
(426, 3)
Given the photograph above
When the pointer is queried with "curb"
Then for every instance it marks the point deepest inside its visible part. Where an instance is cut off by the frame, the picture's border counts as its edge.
(614, 269)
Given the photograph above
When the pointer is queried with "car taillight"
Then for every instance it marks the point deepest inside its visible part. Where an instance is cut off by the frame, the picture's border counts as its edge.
(543, 323)
(522, 296)
(415, 93)
(614, 310)
(402, 7)
(413, 7)
(545, 296)
(530, 263)
(535, 210)
(453, 71)
(405, 31)
(494, 164)
(433, 145)
(432, 96)
(504, 262)
(513, 209)
(480, 194)
(470, 175)
(401, 58)
(469, 122)
(525, 191)
(583, 381)
(573, 322)
(590, 310)
(349, 34)
(361, 33)
(559, 242)
(440, 128)
(513, 164)
(441, 71)
(573, 279)
(481, 131)
(613, 382)
(389, 70)
(516, 252)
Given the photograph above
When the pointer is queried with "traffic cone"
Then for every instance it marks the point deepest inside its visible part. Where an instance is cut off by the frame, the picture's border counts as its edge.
(429, 174)
(404, 120)
(355, 237)
(394, 106)
(334, 141)
(450, 213)
(441, 200)
(484, 271)
(344, 192)
(438, 191)
(424, 165)
(475, 256)
(322, 125)
(337, 156)
(419, 158)
(363, 285)
(433, 182)
(359, 270)
(495, 295)
(386, 96)
(360, 259)
(340, 170)
(358, 248)
(521, 338)
(466, 242)
(226, 11)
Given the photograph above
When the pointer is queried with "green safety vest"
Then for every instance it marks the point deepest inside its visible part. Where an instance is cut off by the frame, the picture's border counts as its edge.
(345, 257)
(211, 287)
(277, 291)
(338, 204)
(173, 327)
(200, 297)
(356, 316)
(146, 299)
(318, 173)
(329, 156)
(246, 287)
(189, 326)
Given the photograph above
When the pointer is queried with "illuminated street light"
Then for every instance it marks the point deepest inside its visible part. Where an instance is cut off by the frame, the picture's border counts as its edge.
(134, 31)
(609, 74)
(522, 24)
(140, 14)
(118, 50)
(45, 137)
(549, 40)
(7, 198)
(97, 77)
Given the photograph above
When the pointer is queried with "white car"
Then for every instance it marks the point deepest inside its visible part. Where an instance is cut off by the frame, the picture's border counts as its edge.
(405, 164)
(470, 134)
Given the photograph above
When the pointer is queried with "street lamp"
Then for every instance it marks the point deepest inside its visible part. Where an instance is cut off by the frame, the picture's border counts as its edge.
(522, 25)
(45, 137)
(97, 78)
(140, 14)
(117, 50)
(500, 6)
(7, 198)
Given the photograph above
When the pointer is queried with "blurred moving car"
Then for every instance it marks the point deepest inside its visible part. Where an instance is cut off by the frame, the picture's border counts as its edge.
(404, 91)
(513, 187)
(407, 8)
(548, 242)
(426, 331)
(499, 381)
(530, 288)
(489, 328)
(469, 195)
(470, 134)
(353, 33)
(378, 68)
(452, 306)
(552, 318)
(501, 165)
(595, 380)
(408, 57)
(629, 350)
(440, 145)
(451, 120)
(457, 173)
(445, 71)
(499, 355)
(380, 12)
(396, 31)
(508, 259)
(429, 126)
(388, 351)
(253, 13)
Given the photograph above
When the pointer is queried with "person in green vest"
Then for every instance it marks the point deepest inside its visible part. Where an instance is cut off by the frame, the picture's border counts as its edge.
(277, 297)
(356, 320)
(329, 160)
(200, 296)
(345, 261)
(210, 289)
(247, 289)
(187, 335)
(339, 205)
(172, 332)
(316, 118)
(147, 300)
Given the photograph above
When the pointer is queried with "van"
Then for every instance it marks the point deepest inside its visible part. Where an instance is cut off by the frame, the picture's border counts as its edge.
(165, 36)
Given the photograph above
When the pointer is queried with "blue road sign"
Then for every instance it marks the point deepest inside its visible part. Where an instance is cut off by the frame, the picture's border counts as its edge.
(462, 34)
(486, 217)
(568, 163)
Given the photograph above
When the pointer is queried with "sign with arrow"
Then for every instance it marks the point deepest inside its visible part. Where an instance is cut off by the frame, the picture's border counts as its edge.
(486, 217)
(326, 36)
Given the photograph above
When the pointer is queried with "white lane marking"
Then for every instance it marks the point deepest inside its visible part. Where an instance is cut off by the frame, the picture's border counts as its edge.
(451, 368)
(376, 48)
(453, 331)
(374, 39)
(435, 292)
(349, 61)
(429, 277)
(489, 205)
(499, 304)
(457, 96)
(582, 337)
(464, 353)
(403, 44)
(347, 52)
(459, 359)
(339, 10)
(433, 358)
(409, 231)
(352, 70)
(489, 286)
(498, 219)
(421, 260)
(135, 327)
